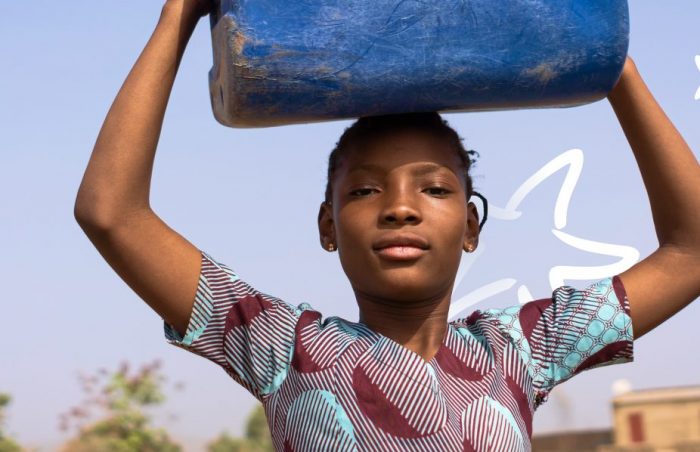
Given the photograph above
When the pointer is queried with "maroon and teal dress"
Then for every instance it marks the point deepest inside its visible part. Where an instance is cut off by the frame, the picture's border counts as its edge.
(332, 384)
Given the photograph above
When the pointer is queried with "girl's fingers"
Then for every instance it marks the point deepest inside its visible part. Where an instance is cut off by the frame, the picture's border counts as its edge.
(205, 6)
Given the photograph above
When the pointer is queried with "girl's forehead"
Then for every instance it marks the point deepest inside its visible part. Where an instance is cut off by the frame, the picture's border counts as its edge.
(400, 149)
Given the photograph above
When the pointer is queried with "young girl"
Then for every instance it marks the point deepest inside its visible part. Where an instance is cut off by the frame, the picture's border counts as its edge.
(397, 211)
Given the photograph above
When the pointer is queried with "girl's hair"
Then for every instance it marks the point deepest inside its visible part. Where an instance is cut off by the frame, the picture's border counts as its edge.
(372, 127)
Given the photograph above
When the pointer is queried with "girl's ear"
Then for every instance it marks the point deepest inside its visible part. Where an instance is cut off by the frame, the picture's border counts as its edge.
(471, 236)
(326, 229)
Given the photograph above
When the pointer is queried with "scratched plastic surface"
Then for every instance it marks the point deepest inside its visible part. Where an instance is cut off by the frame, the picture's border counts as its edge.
(294, 61)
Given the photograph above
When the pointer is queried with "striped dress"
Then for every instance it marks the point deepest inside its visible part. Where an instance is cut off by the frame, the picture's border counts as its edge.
(331, 384)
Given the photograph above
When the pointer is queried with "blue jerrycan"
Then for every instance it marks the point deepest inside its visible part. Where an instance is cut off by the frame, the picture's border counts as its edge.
(294, 61)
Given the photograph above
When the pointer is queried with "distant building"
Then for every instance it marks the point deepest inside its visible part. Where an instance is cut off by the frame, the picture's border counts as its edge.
(657, 420)
(652, 420)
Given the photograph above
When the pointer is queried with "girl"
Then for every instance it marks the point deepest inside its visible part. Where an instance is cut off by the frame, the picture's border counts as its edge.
(397, 211)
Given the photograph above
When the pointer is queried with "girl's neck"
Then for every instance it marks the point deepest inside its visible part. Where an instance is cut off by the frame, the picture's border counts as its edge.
(419, 326)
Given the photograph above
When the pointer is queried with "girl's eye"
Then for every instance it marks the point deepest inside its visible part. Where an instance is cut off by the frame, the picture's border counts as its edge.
(362, 192)
(436, 191)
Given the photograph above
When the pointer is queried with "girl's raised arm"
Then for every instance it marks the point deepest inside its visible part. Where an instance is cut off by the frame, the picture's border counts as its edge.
(669, 279)
(112, 205)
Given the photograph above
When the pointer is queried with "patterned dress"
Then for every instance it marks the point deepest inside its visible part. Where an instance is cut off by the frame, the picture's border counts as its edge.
(331, 384)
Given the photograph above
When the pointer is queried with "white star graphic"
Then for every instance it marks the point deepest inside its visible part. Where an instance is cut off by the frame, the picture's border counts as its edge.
(572, 160)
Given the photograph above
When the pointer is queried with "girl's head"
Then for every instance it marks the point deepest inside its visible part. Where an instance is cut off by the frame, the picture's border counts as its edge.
(367, 128)
(397, 206)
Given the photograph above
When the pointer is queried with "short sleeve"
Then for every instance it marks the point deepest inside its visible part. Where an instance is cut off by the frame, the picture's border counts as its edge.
(248, 333)
(573, 331)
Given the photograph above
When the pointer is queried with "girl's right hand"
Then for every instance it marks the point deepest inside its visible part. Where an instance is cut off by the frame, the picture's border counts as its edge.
(197, 8)
(113, 202)
(204, 7)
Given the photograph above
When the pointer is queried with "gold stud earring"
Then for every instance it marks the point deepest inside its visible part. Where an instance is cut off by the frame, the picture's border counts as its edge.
(331, 247)
(470, 248)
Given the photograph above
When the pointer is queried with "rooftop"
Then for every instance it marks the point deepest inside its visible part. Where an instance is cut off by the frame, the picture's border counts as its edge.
(673, 394)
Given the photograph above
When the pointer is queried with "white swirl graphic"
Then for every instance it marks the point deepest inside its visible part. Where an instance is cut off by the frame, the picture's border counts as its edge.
(572, 161)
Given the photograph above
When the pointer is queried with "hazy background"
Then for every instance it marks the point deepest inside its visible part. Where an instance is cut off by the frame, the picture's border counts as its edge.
(250, 199)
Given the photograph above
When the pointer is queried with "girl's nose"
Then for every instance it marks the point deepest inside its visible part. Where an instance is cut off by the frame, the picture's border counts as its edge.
(400, 208)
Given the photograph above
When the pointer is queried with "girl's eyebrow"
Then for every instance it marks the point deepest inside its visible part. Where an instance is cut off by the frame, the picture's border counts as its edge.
(418, 170)
(427, 168)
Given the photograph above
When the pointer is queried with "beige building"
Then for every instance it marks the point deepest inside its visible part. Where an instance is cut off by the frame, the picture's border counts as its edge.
(657, 420)
(652, 420)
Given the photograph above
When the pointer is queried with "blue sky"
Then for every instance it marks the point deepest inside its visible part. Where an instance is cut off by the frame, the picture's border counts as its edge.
(250, 198)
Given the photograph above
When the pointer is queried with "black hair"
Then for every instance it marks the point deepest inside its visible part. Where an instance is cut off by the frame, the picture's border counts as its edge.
(372, 127)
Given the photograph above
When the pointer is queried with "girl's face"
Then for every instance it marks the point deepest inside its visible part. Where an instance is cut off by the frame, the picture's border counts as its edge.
(399, 217)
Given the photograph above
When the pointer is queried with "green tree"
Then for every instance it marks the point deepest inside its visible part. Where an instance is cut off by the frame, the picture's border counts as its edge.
(124, 426)
(6, 444)
(257, 436)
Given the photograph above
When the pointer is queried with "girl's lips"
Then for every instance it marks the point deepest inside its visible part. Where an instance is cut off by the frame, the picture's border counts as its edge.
(400, 252)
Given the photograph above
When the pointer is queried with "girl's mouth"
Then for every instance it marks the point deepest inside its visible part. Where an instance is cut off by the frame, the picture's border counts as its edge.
(400, 252)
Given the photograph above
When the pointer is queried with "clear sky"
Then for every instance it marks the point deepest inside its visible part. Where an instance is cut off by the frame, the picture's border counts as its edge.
(250, 198)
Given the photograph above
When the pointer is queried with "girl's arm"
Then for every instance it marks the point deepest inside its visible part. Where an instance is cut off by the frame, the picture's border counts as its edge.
(112, 205)
(669, 279)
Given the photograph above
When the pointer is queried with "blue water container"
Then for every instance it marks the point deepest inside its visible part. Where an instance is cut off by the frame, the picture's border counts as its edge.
(293, 61)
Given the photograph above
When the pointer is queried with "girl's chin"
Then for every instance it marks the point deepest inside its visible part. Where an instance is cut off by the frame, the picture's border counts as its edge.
(408, 289)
